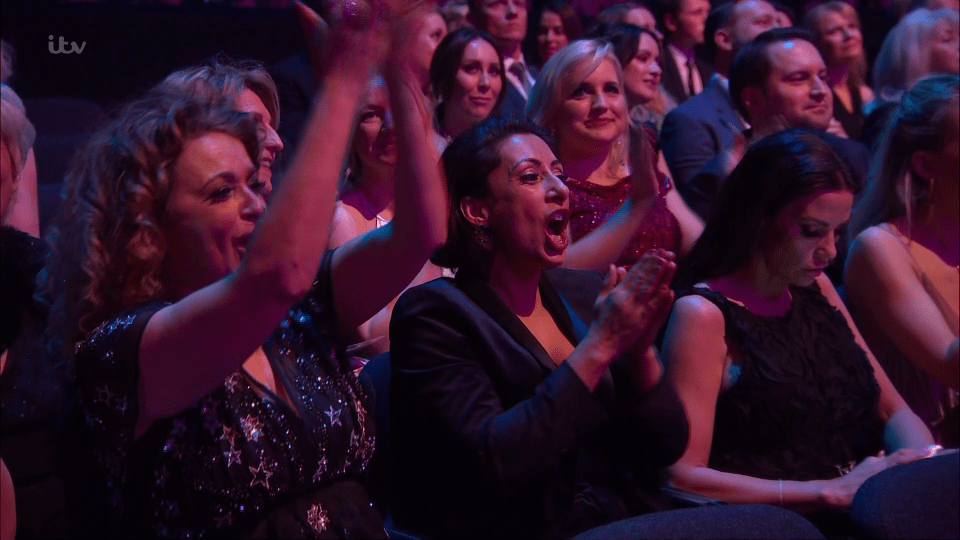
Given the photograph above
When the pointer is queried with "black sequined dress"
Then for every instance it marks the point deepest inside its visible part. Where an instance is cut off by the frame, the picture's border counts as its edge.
(239, 463)
(804, 404)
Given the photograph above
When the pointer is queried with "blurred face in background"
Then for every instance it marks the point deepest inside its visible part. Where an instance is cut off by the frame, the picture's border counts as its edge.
(476, 87)
(687, 25)
(375, 142)
(551, 36)
(641, 75)
(270, 145)
(945, 49)
(750, 19)
(796, 93)
(505, 20)
(642, 17)
(431, 31)
(840, 38)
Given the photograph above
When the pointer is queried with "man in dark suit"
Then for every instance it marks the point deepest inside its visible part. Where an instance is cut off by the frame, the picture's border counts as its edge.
(778, 81)
(684, 75)
(696, 131)
(506, 22)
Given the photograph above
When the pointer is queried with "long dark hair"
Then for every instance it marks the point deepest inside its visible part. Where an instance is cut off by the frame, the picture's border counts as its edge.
(446, 62)
(467, 163)
(773, 173)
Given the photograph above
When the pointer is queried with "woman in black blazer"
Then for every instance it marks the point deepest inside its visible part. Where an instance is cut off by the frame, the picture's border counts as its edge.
(512, 413)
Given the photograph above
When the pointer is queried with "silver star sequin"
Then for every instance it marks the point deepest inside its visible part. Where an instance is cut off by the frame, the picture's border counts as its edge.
(334, 416)
(317, 518)
(321, 469)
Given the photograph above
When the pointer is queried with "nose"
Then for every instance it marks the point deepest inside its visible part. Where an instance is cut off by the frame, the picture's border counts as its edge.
(820, 86)
(828, 247)
(254, 205)
(557, 190)
(511, 8)
(387, 124)
(484, 81)
(655, 68)
(272, 141)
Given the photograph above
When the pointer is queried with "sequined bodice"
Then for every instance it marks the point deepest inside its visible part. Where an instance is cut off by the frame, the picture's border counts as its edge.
(592, 204)
(221, 467)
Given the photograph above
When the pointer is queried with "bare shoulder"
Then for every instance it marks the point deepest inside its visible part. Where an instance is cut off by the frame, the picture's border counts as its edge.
(696, 312)
(874, 249)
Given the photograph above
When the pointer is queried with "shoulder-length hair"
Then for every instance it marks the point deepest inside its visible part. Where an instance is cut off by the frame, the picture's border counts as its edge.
(222, 77)
(563, 73)
(774, 172)
(467, 164)
(107, 248)
(904, 56)
(446, 63)
(858, 70)
(922, 121)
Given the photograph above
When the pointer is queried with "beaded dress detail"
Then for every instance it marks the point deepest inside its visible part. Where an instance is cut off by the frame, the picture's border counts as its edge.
(240, 462)
(592, 204)
(804, 405)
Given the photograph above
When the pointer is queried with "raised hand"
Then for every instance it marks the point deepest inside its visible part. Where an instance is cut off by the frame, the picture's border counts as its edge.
(634, 303)
(644, 184)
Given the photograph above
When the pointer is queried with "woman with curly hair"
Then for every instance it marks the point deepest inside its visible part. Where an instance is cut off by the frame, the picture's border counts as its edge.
(901, 273)
(206, 326)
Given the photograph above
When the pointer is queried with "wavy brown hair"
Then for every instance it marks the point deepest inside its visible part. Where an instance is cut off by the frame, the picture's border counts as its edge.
(107, 248)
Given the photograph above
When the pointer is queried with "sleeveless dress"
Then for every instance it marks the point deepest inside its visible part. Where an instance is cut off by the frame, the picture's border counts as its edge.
(592, 204)
(934, 403)
(852, 121)
(804, 403)
(239, 463)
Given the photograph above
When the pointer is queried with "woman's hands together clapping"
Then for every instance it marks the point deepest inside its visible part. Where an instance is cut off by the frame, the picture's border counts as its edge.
(634, 303)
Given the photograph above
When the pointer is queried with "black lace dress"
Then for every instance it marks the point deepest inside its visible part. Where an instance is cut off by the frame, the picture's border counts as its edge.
(804, 403)
(239, 463)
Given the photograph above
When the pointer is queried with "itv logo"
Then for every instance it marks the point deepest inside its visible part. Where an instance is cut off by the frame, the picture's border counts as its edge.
(62, 49)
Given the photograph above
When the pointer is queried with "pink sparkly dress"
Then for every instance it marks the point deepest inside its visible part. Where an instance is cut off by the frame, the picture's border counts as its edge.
(592, 204)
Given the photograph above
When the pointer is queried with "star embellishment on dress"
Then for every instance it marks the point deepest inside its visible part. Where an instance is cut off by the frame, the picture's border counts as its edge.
(321, 468)
(233, 456)
(334, 416)
(104, 395)
(261, 475)
(317, 518)
(251, 427)
(229, 435)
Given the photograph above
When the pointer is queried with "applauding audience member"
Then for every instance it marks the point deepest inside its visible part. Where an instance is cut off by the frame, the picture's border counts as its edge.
(901, 273)
(580, 98)
(206, 325)
(527, 399)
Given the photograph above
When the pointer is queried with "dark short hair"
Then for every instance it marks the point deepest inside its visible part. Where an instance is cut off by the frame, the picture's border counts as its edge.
(720, 17)
(775, 172)
(467, 164)
(446, 62)
(751, 67)
(625, 39)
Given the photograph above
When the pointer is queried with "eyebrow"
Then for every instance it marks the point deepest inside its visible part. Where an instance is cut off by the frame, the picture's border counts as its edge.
(226, 175)
(534, 161)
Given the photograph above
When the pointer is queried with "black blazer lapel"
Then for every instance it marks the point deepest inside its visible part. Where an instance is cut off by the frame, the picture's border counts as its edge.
(480, 291)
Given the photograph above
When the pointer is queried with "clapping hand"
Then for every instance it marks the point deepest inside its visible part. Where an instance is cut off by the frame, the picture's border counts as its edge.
(634, 303)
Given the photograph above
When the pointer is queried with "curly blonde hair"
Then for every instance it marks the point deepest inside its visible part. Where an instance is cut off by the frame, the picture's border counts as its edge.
(107, 248)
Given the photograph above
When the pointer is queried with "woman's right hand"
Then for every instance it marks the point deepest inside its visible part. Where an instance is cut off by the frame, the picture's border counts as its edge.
(839, 492)
(633, 303)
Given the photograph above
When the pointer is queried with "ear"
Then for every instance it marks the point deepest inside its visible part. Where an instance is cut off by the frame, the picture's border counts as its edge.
(723, 40)
(670, 22)
(475, 211)
(920, 161)
(753, 100)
